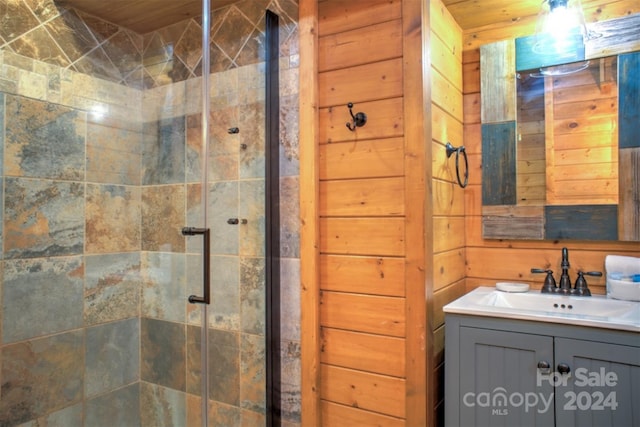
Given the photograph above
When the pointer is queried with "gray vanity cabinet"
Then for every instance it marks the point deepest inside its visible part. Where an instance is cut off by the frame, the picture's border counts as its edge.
(609, 395)
(504, 372)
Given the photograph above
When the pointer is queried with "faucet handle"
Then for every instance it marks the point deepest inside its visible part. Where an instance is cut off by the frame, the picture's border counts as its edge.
(549, 285)
(581, 287)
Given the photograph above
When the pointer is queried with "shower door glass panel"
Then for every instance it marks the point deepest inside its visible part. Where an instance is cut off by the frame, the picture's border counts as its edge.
(100, 168)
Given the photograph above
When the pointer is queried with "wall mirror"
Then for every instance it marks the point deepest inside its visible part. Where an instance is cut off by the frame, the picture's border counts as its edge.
(560, 144)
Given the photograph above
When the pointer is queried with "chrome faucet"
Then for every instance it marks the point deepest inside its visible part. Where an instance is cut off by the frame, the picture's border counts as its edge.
(564, 288)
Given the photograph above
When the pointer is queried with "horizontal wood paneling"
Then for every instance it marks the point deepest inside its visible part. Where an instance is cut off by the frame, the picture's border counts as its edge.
(447, 60)
(344, 416)
(444, 296)
(473, 233)
(362, 236)
(363, 313)
(373, 392)
(511, 221)
(384, 120)
(368, 275)
(445, 95)
(448, 233)
(443, 167)
(448, 267)
(368, 82)
(364, 352)
(362, 206)
(447, 199)
(341, 50)
(471, 104)
(362, 197)
(445, 128)
(339, 16)
(373, 159)
(509, 263)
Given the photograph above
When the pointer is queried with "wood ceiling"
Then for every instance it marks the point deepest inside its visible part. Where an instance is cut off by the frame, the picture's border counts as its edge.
(479, 13)
(143, 16)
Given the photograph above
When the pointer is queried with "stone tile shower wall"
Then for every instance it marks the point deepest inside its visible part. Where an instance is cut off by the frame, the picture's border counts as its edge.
(70, 316)
(97, 229)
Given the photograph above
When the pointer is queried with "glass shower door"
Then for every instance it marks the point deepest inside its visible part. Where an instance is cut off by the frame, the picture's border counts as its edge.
(102, 167)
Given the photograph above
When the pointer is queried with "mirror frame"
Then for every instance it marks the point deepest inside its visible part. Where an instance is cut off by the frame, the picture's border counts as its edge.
(502, 218)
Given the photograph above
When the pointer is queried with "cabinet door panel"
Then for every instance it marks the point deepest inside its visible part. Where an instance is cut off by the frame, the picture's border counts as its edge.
(499, 379)
(604, 384)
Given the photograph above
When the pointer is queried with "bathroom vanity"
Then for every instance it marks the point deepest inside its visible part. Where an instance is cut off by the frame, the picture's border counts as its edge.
(541, 360)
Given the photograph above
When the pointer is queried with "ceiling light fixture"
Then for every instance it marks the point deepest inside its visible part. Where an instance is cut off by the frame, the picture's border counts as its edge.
(560, 26)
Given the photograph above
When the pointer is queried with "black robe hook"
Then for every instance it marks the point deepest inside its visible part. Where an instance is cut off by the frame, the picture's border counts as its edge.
(358, 120)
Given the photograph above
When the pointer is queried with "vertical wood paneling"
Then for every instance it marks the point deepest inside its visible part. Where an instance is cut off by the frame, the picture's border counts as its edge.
(309, 229)
(629, 83)
(498, 84)
(499, 163)
(417, 109)
(629, 203)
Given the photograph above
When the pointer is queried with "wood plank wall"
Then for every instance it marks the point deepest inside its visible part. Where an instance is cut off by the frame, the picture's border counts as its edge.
(447, 196)
(362, 244)
(387, 241)
(489, 261)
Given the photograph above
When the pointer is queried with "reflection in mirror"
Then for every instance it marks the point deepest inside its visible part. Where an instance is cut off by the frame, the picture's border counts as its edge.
(560, 145)
(567, 140)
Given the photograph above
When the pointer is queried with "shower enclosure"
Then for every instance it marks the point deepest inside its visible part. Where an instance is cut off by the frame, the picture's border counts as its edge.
(103, 164)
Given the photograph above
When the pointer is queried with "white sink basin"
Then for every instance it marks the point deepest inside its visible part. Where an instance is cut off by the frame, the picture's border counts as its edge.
(596, 310)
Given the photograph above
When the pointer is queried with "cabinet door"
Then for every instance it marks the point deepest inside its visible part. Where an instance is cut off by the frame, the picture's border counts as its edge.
(603, 386)
(499, 379)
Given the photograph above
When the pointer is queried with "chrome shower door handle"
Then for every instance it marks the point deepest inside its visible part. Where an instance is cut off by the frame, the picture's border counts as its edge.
(206, 272)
